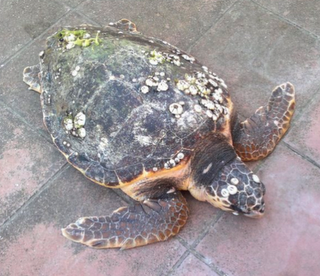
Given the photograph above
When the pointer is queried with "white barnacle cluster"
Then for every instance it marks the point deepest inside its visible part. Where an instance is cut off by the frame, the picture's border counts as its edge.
(75, 125)
(65, 143)
(231, 189)
(188, 58)
(41, 55)
(46, 98)
(75, 71)
(157, 82)
(174, 161)
(70, 38)
(176, 108)
(157, 57)
(57, 74)
(207, 87)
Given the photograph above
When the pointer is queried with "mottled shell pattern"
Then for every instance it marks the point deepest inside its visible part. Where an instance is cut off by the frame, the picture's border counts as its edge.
(119, 105)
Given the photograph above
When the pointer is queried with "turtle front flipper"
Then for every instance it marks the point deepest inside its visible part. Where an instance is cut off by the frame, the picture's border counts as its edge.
(256, 137)
(31, 77)
(140, 224)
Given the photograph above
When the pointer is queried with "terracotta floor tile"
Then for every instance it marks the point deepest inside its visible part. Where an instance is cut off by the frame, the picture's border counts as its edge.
(32, 241)
(202, 214)
(27, 161)
(192, 266)
(305, 132)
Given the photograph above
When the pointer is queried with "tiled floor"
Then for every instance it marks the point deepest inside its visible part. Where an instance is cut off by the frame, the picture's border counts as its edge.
(254, 45)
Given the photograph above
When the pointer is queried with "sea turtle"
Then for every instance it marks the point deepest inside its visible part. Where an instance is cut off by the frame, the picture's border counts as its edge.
(136, 113)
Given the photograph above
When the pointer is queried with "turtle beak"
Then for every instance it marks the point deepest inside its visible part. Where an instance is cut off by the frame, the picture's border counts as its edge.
(255, 214)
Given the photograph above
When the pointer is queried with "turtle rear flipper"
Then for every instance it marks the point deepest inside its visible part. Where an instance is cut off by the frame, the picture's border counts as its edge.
(31, 77)
(256, 137)
(143, 223)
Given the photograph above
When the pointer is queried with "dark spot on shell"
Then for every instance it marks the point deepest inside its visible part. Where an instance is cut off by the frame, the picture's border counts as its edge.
(240, 186)
(242, 199)
(254, 184)
(249, 190)
(233, 199)
(257, 192)
(251, 201)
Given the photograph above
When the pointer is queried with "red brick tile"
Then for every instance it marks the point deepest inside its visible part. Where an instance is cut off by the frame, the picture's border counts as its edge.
(253, 51)
(192, 266)
(201, 215)
(32, 243)
(304, 134)
(281, 243)
(180, 23)
(27, 161)
(43, 251)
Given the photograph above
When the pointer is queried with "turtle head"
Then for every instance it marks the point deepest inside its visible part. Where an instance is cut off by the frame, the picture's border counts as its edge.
(222, 179)
(237, 189)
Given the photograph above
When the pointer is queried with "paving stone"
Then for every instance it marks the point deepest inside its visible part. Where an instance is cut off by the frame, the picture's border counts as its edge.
(192, 266)
(253, 51)
(23, 21)
(179, 22)
(13, 91)
(202, 214)
(27, 161)
(302, 13)
(304, 134)
(32, 241)
(283, 242)
(71, 3)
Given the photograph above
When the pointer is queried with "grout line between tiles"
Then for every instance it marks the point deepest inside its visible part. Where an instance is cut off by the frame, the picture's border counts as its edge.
(32, 40)
(38, 131)
(70, 10)
(303, 156)
(210, 27)
(88, 18)
(206, 229)
(45, 186)
(178, 263)
(288, 21)
(207, 262)
(191, 248)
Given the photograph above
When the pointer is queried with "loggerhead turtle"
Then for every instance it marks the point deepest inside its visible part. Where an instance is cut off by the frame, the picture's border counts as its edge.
(136, 113)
